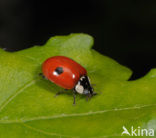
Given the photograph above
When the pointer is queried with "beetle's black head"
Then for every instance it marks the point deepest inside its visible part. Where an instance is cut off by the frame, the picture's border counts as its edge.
(83, 86)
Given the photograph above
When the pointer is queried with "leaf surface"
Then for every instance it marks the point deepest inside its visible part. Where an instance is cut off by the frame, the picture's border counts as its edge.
(28, 107)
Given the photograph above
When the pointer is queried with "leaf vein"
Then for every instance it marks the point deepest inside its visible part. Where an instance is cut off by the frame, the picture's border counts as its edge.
(75, 115)
(6, 102)
(46, 133)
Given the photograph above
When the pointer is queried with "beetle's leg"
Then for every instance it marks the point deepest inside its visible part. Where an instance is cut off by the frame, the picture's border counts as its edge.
(74, 96)
(94, 93)
(41, 74)
(60, 92)
(88, 96)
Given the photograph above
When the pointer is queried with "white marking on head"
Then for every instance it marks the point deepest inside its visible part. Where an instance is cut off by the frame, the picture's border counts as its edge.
(79, 88)
(82, 78)
(88, 78)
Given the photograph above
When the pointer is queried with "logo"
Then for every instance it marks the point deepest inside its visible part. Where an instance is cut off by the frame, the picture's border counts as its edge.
(137, 131)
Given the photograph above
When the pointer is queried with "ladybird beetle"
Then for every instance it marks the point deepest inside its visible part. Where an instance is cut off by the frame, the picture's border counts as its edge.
(67, 74)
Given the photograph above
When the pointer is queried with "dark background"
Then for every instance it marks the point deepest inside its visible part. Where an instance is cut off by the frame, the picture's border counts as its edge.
(123, 29)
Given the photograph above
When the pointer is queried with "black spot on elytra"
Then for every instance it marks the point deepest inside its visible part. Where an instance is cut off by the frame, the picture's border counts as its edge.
(59, 70)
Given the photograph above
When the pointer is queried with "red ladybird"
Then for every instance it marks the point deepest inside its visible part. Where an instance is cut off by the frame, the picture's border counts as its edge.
(67, 74)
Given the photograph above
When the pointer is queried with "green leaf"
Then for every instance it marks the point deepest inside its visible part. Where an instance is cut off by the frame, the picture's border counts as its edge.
(28, 107)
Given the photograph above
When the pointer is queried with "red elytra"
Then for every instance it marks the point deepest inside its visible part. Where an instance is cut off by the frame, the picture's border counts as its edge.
(69, 75)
